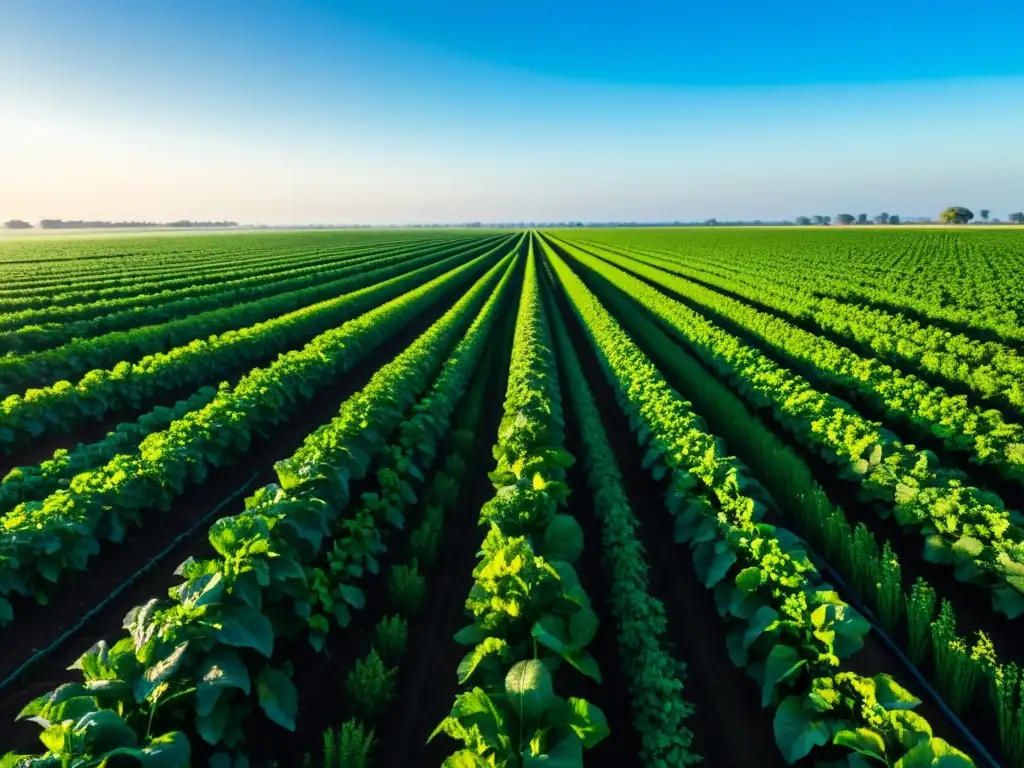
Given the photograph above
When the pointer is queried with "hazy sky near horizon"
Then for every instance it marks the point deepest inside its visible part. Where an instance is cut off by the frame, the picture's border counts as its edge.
(376, 111)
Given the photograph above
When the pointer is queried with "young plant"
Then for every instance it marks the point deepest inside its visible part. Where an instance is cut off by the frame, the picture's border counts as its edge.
(954, 667)
(390, 638)
(370, 685)
(408, 588)
(889, 590)
(920, 612)
(1008, 698)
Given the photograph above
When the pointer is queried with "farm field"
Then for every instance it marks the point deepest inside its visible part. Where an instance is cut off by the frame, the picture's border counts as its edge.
(602, 497)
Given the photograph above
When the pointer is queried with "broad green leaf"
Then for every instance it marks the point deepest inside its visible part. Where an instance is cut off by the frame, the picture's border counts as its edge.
(221, 670)
(798, 731)
(749, 579)
(719, 567)
(892, 695)
(528, 686)
(862, 740)
(782, 663)
(157, 674)
(763, 618)
(470, 635)
(934, 753)
(104, 730)
(1008, 601)
(490, 647)
(245, 627)
(583, 627)
(563, 539)
(278, 697)
(587, 721)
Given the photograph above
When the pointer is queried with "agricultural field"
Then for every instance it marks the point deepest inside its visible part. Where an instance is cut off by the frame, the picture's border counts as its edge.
(603, 497)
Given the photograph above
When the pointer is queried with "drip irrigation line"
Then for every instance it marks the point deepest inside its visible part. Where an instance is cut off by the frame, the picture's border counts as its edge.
(43, 653)
(916, 673)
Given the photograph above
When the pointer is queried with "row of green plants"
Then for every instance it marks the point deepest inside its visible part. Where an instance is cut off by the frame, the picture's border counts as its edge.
(95, 304)
(963, 526)
(964, 280)
(92, 347)
(530, 616)
(983, 434)
(964, 670)
(789, 629)
(992, 369)
(656, 677)
(37, 481)
(204, 660)
(64, 405)
(40, 540)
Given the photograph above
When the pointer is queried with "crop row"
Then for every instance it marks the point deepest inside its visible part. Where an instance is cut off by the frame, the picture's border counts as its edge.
(39, 540)
(790, 630)
(205, 659)
(64, 405)
(960, 524)
(228, 312)
(529, 612)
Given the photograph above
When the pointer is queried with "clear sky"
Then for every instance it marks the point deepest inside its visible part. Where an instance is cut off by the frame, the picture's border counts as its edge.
(377, 111)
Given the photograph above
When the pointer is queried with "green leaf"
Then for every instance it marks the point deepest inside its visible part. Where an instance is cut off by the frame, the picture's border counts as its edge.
(719, 567)
(937, 753)
(528, 686)
(353, 596)
(245, 627)
(937, 551)
(583, 627)
(171, 750)
(211, 725)
(278, 696)
(158, 673)
(798, 731)
(1008, 601)
(470, 635)
(491, 646)
(222, 669)
(563, 539)
(783, 662)
(749, 579)
(862, 740)
(587, 721)
(892, 695)
(552, 632)
(104, 730)
(764, 617)
(968, 545)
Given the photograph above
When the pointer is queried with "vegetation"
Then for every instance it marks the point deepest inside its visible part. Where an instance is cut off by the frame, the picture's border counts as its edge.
(828, 425)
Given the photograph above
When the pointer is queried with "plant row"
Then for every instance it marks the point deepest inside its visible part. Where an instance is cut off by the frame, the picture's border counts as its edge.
(962, 525)
(655, 676)
(37, 481)
(39, 540)
(789, 629)
(530, 614)
(64, 405)
(98, 351)
(992, 369)
(205, 660)
(22, 342)
(983, 434)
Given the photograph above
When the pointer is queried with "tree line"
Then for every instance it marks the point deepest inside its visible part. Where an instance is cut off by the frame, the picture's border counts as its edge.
(955, 214)
(78, 224)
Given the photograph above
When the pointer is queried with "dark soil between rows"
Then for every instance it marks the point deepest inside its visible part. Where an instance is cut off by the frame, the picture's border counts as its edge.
(35, 627)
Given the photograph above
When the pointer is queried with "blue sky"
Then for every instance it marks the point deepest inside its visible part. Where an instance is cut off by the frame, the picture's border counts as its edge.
(289, 112)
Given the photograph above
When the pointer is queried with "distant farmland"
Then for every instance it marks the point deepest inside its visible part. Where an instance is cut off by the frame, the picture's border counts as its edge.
(610, 497)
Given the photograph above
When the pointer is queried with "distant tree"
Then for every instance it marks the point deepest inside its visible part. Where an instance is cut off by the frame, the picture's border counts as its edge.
(818, 219)
(802, 221)
(17, 224)
(862, 218)
(828, 220)
(1017, 218)
(984, 214)
(845, 218)
(711, 222)
(956, 214)
(894, 219)
(882, 218)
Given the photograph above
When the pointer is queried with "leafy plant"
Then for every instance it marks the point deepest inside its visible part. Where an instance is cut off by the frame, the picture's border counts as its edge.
(390, 637)
(370, 685)
(920, 612)
(407, 588)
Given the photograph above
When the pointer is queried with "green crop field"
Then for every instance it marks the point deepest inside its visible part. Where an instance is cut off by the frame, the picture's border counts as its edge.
(579, 497)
